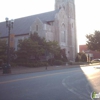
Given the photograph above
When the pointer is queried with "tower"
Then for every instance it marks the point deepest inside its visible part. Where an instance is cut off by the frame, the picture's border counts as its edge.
(69, 7)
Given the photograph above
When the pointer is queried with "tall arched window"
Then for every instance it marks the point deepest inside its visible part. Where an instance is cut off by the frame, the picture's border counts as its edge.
(63, 34)
(36, 27)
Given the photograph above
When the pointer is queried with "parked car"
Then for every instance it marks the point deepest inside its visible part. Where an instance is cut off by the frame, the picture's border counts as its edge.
(95, 60)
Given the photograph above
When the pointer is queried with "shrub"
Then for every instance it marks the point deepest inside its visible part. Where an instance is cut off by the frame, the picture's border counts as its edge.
(32, 64)
(13, 64)
(58, 62)
(51, 62)
(44, 63)
(76, 59)
(64, 59)
(83, 57)
(70, 63)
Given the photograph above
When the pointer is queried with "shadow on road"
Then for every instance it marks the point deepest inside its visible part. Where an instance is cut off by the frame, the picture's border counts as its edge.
(64, 84)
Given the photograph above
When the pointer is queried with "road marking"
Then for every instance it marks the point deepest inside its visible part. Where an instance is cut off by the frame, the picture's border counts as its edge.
(70, 88)
(4, 82)
(74, 90)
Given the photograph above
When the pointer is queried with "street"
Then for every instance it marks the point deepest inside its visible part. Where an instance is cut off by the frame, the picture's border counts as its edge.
(65, 84)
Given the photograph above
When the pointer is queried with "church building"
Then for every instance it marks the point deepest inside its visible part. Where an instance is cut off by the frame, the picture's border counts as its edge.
(58, 25)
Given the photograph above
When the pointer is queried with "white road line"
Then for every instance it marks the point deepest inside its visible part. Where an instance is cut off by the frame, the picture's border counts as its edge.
(70, 89)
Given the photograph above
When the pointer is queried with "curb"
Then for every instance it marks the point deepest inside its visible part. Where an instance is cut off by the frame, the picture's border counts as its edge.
(54, 68)
(43, 70)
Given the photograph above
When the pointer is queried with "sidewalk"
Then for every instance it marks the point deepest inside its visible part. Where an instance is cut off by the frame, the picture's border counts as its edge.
(22, 70)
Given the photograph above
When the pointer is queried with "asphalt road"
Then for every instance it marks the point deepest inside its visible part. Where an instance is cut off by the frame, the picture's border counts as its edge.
(66, 84)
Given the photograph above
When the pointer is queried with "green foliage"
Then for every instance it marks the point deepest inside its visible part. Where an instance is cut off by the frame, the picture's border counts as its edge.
(81, 57)
(13, 64)
(58, 62)
(93, 41)
(32, 49)
(70, 63)
(77, 59)
(3, 50)
(52, 47)
(53, 62)
(28, 49)
(35, 38)
(33, 64)
(64, 59)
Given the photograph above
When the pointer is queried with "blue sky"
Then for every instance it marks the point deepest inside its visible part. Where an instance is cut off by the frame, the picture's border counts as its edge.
(87, 13)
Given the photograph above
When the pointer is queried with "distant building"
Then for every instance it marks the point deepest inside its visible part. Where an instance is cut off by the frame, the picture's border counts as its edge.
(92, 54)
(58, 25)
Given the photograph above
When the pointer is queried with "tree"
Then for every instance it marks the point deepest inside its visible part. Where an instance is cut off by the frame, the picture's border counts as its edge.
(33, 48)
(35, 38)
(93, 41)
(28, 49)
(3, 50)
(81, 57)
(50, 47)
(78, 57)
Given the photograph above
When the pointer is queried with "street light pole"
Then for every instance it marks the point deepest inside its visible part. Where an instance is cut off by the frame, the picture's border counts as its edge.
(9, 25)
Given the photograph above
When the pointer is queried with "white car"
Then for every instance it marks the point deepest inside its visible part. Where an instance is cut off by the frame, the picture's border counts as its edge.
(95, 60)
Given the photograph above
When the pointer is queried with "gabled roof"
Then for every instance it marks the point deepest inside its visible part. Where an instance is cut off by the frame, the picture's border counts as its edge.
(22, 25)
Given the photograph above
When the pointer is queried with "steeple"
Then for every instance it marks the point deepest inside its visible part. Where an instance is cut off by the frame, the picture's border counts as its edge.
(59, 4)
(68, 6)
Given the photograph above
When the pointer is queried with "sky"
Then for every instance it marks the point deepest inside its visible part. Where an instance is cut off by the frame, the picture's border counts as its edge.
(87, 13)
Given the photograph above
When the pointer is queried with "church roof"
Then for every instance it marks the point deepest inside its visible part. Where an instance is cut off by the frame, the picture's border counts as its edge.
(22, 25)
